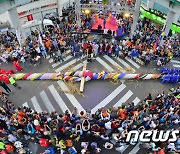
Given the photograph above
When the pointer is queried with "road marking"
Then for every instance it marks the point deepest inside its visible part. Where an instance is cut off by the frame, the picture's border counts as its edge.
(112, 61)
(109, 98)
(125, 147)
(138, 60)
(135, 58)
(125, 64)
(124, 98)
(66, 65)
(109, 68)
(25, 104)
(175, 61)
(71, 97)
(58, 99)
(135, 149)
(51, 60)
(46, 101)
(58, 63)
(78, 66)
(36, 104)
(68, 51)
(136, 101)
(133, 63)
(176, 66)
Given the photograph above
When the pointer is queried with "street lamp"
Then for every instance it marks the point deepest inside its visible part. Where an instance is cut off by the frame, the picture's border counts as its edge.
(87, 11)
(126, 15)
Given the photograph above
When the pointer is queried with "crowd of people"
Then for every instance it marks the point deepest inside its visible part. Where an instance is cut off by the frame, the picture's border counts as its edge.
(84, 132)
(144, 44)
(113, 3)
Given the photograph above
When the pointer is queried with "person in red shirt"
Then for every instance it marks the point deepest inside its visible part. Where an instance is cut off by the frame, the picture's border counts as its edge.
(17, 66)
(44, 142)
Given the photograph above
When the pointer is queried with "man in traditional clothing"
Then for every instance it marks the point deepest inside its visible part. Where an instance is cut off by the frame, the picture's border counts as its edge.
(17, 66)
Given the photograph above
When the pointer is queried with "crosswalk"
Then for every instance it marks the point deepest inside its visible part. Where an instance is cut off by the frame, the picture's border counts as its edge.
(176, 63)
(52, 98)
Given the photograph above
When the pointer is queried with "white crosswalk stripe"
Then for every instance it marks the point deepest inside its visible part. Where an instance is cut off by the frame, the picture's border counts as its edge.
(58, 63)
(25, 104)
(78, 66)
(176, 66)
(136, 101)
(71, 97)
(132, 62)
(36, 104)
(124, 148)
(135, 149)
(58, 99)
(175, 61)
(109, 68)
(124, 98)
(138, 60)
(109, 98)
(46, 101)
(67, 65)
(112, 61)
(50, 60)
(125, 64)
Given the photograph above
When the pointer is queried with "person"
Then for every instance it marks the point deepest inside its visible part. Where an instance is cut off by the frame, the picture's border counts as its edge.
(90, 52)
(109, 32)
(17, 66)
(3, 84)
(37, 48)
(104, 23)
(96, 48)
(77, 51)
(2, 93)
(59, 54)
(99, 27)
(13, 82)
(23, 60)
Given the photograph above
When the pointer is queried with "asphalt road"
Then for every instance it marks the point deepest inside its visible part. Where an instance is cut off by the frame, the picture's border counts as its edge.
(94, 92)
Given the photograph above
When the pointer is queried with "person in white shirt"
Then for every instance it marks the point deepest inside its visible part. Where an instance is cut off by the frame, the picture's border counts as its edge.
(96, 48)
(159, 63)
(12, 138)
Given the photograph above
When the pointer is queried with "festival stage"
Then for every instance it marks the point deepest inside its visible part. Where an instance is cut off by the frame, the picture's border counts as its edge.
(108, 25)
